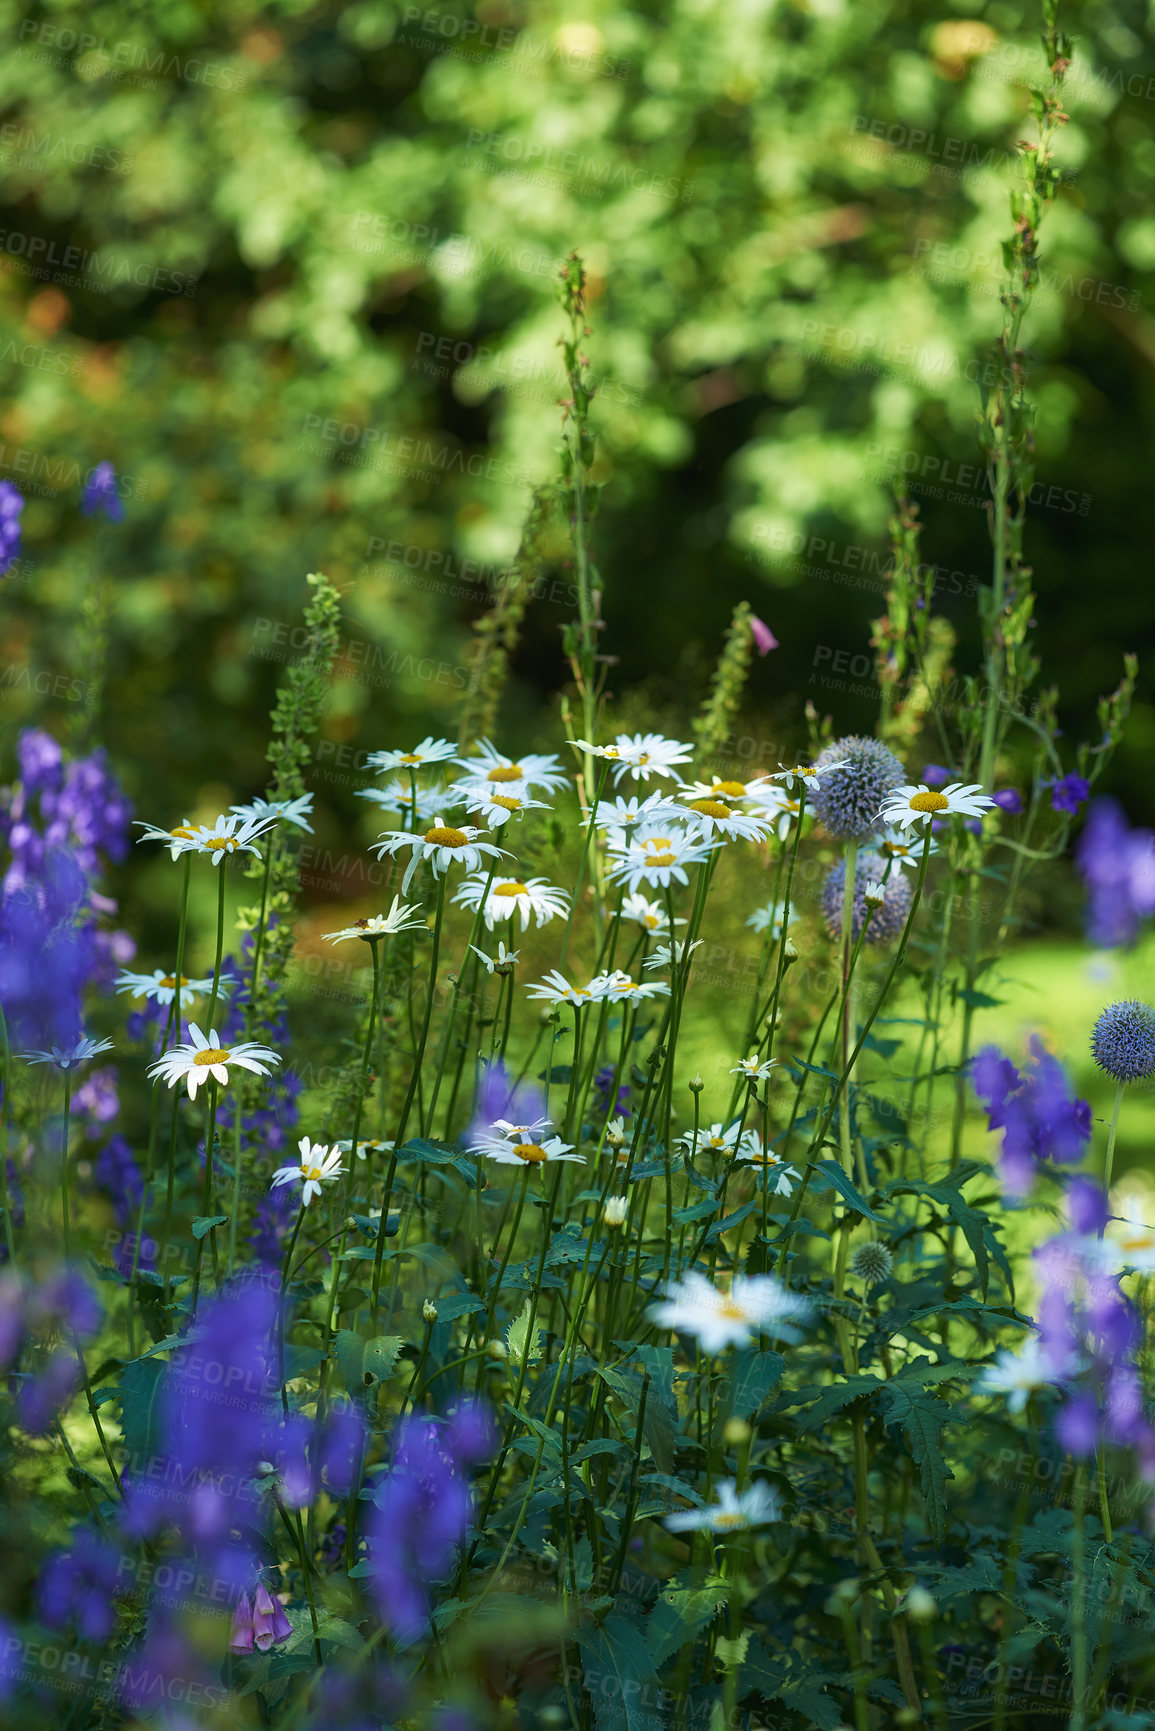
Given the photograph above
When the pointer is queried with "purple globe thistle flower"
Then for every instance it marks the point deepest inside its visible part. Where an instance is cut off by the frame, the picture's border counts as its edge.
(1069, 793)
(11, 505)
(100, 494)
(848, 799)
(79, 1586)
(1123, 1041)
(888, 918)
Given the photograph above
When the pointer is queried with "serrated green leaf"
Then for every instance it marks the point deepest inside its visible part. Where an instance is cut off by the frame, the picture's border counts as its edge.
(205, 1223)
(834, 1398)
(836, 1177)
(381, 1355)
(687, 1605)
(922, 1417)
(619, 1674)
(751, 1378)
(522, 1346)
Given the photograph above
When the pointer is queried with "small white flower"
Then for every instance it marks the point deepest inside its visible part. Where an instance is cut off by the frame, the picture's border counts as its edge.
(758, 1304)
(624, 813)
(502, 963)
(556, 989)
(651, 916)
(521, 1132)
(441, 845)
(615, 1211)
(733, 1512)
(294, 811)
(775, 1175)
(487, 764)
(616, 1133)
(754, 1068)
(641, 755)
(775, 805)
(769, 918)
(400, 918)
(162, 987)
(174, 839)
(420, 804)
(806, 775)
(657, 859)
(919, 803)
(672, 955)
(717, 1139)
(203, 1057)
(318, 1165)
(1132, 1243)
(532, 1153)
(429, 751)
(620, 988)
(874, 895)
(228, 835)
(893, 845)
(713, 817)
(366, 1146)
(67, 1057)
(496, 806)
(508, 898)
(1017, 1375)
(725, 788)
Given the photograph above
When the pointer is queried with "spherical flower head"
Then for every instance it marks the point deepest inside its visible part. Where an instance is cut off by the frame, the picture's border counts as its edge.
(872, 1263)
(848, 799)
(1123, 1043)
(888, 918)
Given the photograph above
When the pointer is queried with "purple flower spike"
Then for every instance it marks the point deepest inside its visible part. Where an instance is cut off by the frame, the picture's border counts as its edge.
(100, 494)
(11, 505)
(1077, 1426)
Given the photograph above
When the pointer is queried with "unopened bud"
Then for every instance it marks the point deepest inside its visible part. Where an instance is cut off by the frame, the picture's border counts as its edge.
(875, 895)
(696, 1084)
(920, 1605)
(429, 1311)
(737, 1433)
(615, 1211)
(496, 1349)
(790, 950)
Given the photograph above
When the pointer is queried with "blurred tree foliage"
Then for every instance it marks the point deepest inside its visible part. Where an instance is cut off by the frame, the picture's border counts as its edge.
(292, 267)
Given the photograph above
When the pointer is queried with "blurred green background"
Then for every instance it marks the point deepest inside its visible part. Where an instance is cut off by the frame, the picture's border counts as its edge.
(291, 267)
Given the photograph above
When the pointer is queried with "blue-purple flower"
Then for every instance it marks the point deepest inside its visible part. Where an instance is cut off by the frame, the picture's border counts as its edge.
(100, 494)
(1123, 1041)
(78, 1587)
(11, 505)
(1069, 792)
(1117, 864)
(1038, 1115)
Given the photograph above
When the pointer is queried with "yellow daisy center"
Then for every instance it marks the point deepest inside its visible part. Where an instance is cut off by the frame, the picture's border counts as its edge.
(170, 980)
(183, 833)
(929, 802)
(409, 757)
(732, 1311)
(658, 841)
(711, 808)
(531, 1152)
(1139, 1240)
(211, 1055)
(505, 772)
(610, 751)
(730, 789)
(651, 922)
(728, 1522)
(514, 888)
(216, 842)
(313, 1172)
(661, 859)
(439, 837)
(506, 801)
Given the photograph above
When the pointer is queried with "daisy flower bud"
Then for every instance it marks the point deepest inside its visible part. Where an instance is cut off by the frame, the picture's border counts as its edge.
(790, 950)
(497, 1349)
(615, 1211)
(696, 1084)
(429, 1312)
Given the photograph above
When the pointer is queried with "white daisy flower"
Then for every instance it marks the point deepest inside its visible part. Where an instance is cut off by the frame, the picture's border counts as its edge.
(203, 1057)
(805, 774)
(294, 811)
(161, 987)
(672, 955)
(67, 1057)
(895, 847)
(421, 803)
(505, 1152)
(366, 1146)
(441, 845)
(733, 1512)
(775, 805)
(754, 1068)
(174, 839)
(521, 1132)
(429, 751)
(496, 805)
(725, 788)
(502, 963)
(620, 988)
(919, 803)
(318, 1165)
(717, 1139)
(556, 989)
(488, 765)
(657, 859)
(623, 814)
(713, 817)
(651, 916)
(228, 835)
(1017, 1375)
(775, 1174)
(402, 917)
(1131, 1242)
(641, 755)
(769, 918)
(528, 897)
(757, 1304)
